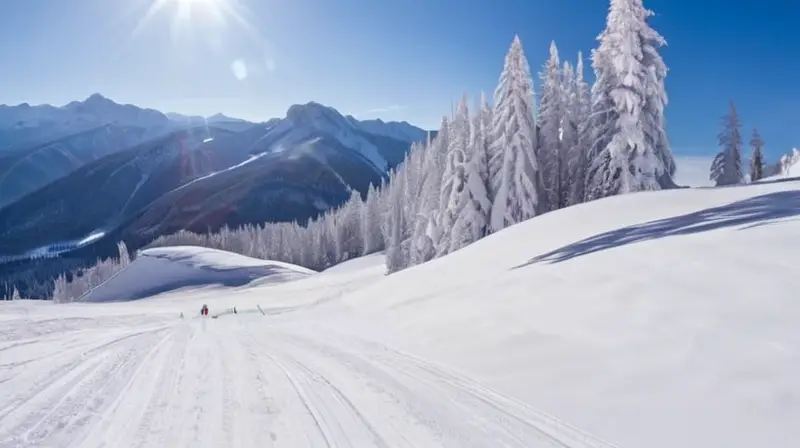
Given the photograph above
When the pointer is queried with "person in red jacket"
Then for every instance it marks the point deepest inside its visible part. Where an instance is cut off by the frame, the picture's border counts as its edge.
(204, 310)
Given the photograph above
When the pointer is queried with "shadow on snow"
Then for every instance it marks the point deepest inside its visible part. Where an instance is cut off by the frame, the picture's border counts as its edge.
(749, 213)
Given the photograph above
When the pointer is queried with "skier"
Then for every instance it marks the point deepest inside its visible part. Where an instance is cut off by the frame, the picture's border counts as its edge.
(234, 310)
(204, 310)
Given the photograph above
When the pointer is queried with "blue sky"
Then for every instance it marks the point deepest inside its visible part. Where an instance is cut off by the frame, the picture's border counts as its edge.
(398, 60)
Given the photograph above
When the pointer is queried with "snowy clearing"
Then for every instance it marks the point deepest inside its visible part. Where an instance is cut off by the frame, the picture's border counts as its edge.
(648, 320)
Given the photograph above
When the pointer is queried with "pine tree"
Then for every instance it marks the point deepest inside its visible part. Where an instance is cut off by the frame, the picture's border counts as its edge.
(473, 222)
(757, 158)
(581, 115)
(452, 199)
(516, 182)
(629, 147)
(569, 135)
(550, 120)
(426, 237)
(726, 169)
(395, 259)
(370, 222)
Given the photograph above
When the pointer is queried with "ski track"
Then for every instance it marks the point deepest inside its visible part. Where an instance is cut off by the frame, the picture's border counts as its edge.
(245, 381)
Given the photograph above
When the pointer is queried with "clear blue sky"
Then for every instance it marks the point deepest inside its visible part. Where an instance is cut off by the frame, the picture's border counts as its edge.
(399, 60)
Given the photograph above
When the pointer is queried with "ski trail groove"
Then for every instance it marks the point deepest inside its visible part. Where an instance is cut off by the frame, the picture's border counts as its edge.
(486, 417)
(246, 381)
(59, 410)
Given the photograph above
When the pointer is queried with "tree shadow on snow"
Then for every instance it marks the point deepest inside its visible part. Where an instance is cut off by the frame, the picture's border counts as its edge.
(749, 213)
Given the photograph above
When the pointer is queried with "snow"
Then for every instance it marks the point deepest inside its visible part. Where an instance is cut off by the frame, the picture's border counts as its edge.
(161, 270)
(230, 168)
(656, 319)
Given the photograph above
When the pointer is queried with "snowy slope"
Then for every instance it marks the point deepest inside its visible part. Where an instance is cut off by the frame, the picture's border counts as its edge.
(161, 270)
(665, 319)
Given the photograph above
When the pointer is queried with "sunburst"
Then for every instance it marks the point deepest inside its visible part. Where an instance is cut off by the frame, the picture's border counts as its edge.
(186, 14)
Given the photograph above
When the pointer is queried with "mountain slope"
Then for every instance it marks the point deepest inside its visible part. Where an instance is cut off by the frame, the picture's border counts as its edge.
(39, 144)
(24, 125)
(24, 171)
(104, 193)
(292, 184)
(203, 179)
(661, 319)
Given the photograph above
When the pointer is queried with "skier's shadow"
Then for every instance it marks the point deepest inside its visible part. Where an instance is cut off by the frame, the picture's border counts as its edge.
(747, 214)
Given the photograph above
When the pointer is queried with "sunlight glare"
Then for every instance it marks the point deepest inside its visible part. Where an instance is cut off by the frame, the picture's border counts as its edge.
(187, 14)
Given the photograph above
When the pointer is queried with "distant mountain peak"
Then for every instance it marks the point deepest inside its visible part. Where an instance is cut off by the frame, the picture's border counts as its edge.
(316, 115)
(311, 107)
(97, 97)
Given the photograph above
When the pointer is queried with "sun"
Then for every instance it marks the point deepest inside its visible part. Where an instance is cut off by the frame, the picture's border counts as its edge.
(197, 1)
(196, 14)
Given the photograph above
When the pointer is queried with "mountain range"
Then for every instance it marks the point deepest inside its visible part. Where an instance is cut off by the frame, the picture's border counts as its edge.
(96, 170)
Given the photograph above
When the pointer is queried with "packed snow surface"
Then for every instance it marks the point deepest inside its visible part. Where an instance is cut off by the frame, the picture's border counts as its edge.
(659, 320)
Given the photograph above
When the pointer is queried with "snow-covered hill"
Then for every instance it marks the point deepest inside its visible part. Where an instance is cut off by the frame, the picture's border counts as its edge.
(162, 270)
(659, 320)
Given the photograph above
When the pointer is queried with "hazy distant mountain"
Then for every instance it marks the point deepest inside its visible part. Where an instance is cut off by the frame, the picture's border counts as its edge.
(24, 125)
(24, 171)
(207, 177)
(40, 144)
(217, 120)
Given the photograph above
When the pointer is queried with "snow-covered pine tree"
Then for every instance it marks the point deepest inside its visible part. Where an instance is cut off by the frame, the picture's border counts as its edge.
(395, 259)
(483, 145)
(629, 147)
(550, 120)
(757, 163)
(15, 294)
(473, 222)
(426, 236)
(452, 199)
(371, 222)
(514, 170)
(348, 227)
(569, 134)
(726, 169)
(580, 111)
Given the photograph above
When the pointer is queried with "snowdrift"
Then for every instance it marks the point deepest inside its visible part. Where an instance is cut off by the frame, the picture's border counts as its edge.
(653, 319)
(161, 270)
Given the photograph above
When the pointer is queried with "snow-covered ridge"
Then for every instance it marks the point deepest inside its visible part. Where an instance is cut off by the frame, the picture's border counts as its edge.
(309, 120)
(161, 270)
(93, 111)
